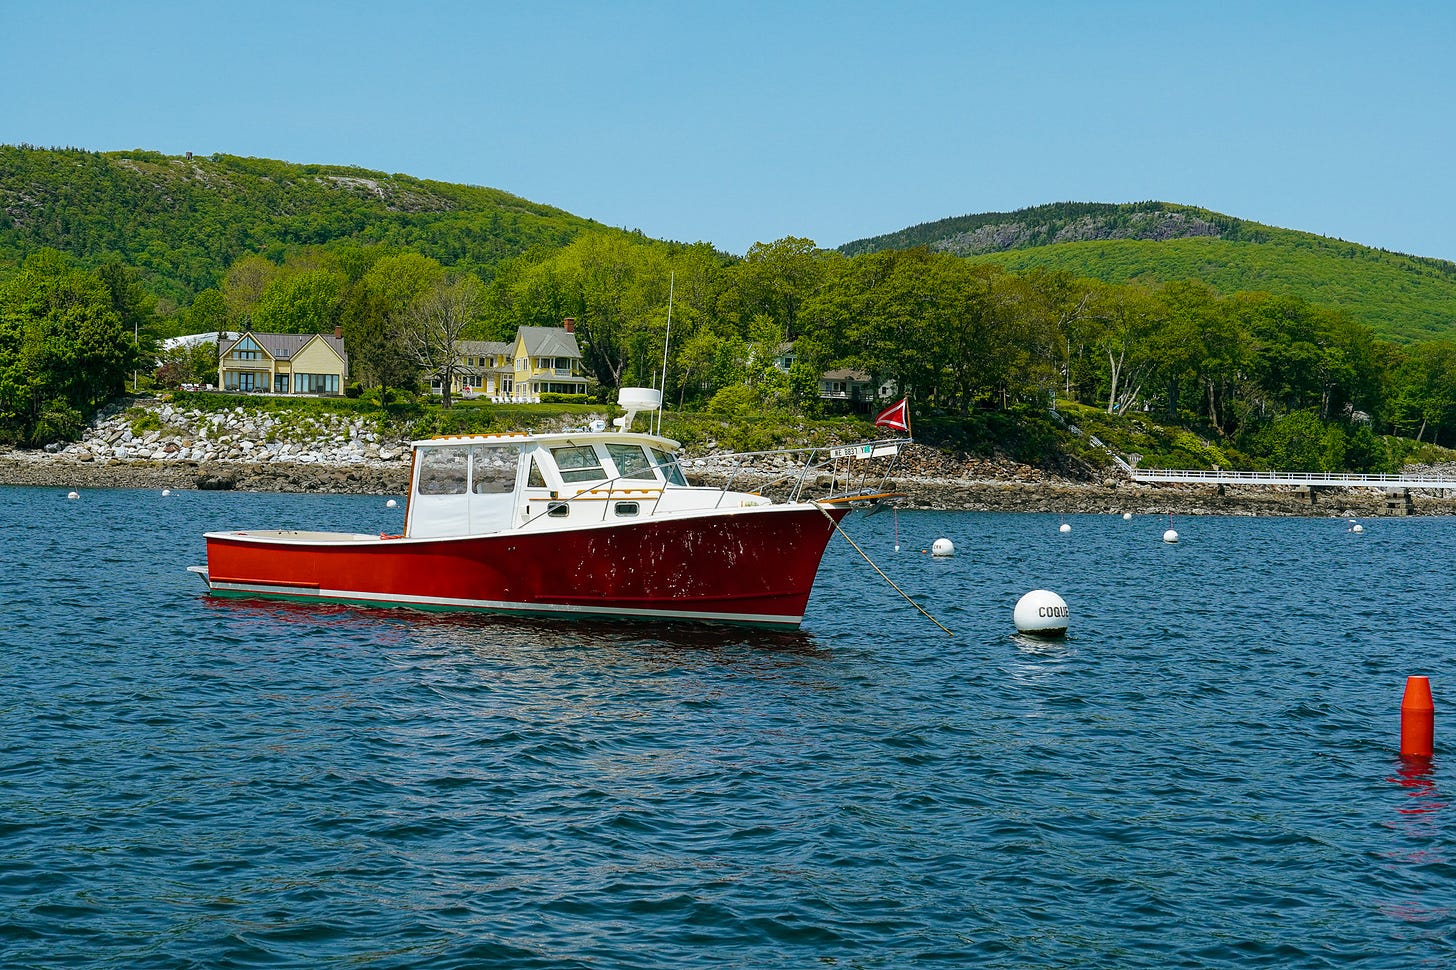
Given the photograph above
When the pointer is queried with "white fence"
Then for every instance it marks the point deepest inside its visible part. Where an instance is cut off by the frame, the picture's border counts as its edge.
(1331, 479)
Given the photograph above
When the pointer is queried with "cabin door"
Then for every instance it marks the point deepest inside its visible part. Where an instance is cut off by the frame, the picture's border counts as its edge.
(492, 499)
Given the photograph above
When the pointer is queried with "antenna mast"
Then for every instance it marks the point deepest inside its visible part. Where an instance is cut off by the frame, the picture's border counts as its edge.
(671, 284)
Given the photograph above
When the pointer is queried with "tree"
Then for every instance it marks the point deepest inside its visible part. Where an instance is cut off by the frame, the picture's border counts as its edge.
(375, 315)
(1125, 319)
(63, 349)
(435, 323)
(302, 302)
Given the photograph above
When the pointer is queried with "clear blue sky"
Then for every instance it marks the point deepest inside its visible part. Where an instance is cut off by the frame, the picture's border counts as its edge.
(742, 122)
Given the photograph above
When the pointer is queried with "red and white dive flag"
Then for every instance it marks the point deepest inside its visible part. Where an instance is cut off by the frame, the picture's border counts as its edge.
(896, 416)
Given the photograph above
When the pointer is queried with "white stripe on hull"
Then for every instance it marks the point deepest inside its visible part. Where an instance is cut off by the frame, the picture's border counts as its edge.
(494, 606)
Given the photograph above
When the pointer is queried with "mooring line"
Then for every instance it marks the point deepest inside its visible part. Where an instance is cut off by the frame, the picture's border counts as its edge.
(881, 571)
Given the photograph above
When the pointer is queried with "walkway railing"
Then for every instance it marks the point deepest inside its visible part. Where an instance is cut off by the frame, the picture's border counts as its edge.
(1328, 479)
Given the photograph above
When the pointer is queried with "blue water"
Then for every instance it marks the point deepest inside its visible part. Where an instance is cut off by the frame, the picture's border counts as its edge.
(1203, 774)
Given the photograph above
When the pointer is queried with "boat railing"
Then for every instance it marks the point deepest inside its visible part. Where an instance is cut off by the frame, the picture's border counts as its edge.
(837, 460)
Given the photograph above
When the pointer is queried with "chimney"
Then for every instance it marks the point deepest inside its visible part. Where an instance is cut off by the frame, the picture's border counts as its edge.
(338, 332)
(570, 324)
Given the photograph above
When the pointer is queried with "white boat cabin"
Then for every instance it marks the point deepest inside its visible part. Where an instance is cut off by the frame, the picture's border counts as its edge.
(476, 484)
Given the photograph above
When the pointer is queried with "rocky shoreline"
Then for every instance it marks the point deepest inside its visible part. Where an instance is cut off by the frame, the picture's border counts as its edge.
(249, 451)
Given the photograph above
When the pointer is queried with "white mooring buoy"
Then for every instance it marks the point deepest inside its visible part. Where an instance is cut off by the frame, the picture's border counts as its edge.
(1171, 535)
(1127, 516)
(942, 547)
(1042, 613)
(391, 504)
(1065, 529)
(1357, 528)
(166, 492)
(73, 495)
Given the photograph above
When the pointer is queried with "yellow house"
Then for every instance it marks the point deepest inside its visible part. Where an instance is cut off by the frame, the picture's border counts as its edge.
(486, 367)
(283, 363)
(547, 361)
(542, 360)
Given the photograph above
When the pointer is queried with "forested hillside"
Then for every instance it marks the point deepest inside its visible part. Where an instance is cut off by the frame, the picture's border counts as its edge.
(104, 256)
(180, 222)
(1399, 297)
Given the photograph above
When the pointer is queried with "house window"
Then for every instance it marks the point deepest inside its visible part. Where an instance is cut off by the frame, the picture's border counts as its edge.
(245, 380)
(246, 349)
(315, 383)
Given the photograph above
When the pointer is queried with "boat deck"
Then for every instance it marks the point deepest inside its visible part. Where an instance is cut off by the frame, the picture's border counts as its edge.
(301, 535)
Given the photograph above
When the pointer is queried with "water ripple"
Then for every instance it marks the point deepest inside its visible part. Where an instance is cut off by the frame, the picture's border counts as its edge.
(1202, 774)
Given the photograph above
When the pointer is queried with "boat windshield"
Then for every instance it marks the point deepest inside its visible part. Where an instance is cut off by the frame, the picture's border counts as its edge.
(578, 463)
(631, 461)
(493, 469)
(670, 469)
(443, 471)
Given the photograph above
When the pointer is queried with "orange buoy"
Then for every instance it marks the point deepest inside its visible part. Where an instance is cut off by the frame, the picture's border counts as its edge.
(1417, 719)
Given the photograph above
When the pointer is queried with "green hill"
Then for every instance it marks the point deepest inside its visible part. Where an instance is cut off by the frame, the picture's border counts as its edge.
(1399, 297)
(182, 220)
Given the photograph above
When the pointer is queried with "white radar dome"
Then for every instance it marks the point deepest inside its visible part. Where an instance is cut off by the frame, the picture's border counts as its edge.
(942, 547)
(1042, 613)
(639, 398)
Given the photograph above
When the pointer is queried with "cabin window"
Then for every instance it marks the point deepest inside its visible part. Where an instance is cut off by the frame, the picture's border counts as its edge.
(631, 461)
(442, 471)
(670, 469)
(627, 508)
(535, 479)
(493, 469)
(558, 510)
(578, 463)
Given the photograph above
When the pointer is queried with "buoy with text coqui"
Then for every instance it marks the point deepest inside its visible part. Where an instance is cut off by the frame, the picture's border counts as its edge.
(942, 548)
(1172, 534)
(1042, 613)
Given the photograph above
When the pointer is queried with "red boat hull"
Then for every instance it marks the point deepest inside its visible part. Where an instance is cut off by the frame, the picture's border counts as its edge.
(754, 565)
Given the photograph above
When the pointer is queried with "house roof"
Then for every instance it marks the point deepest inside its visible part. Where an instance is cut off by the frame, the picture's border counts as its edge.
(846, 374)
(549, 342)
(282, 346)
(485, 348)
